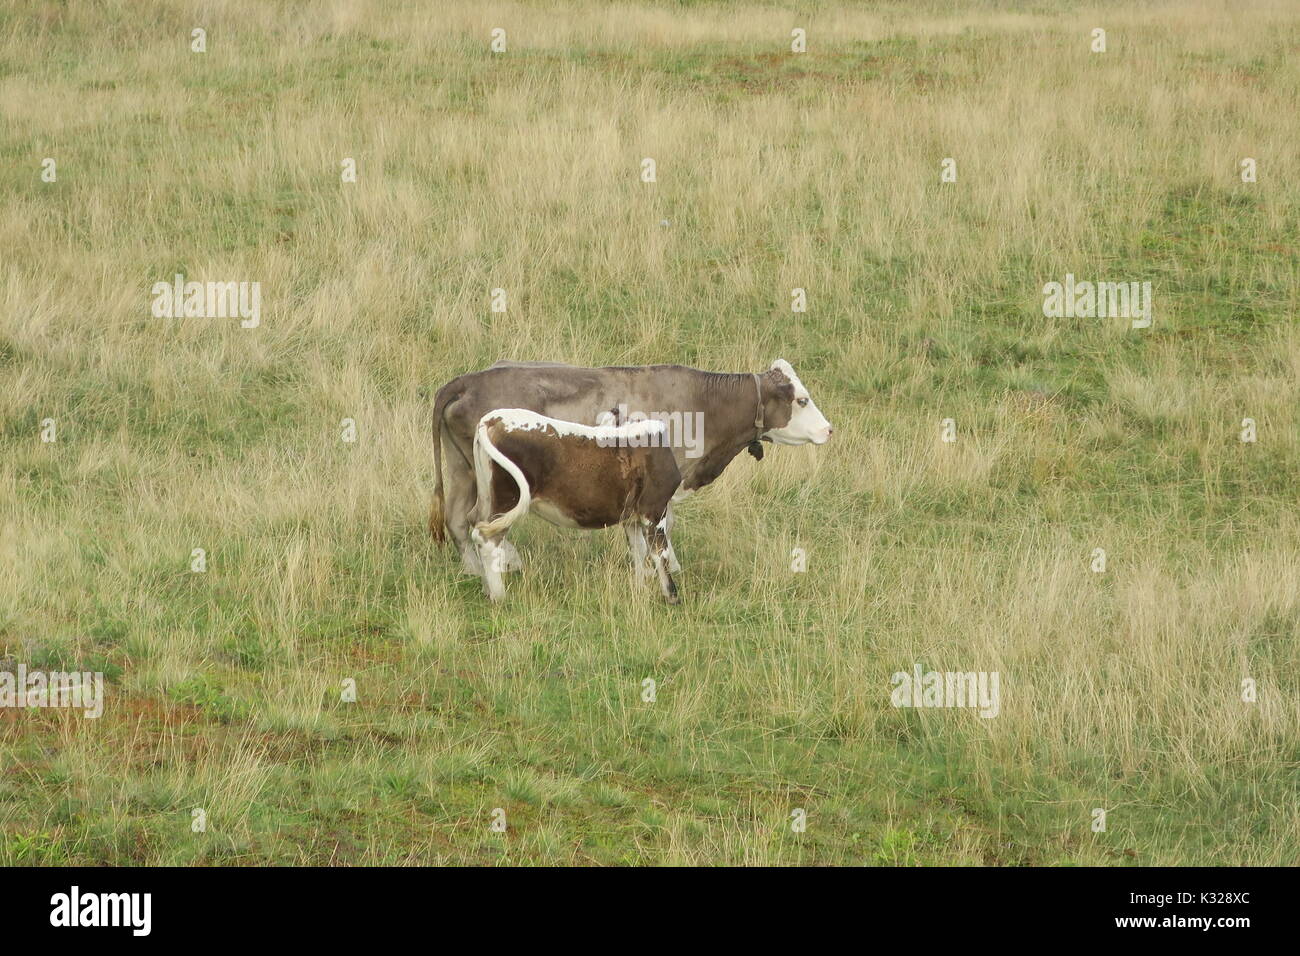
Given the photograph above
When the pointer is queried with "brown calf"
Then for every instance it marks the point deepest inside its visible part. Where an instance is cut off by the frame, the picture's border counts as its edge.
(576, 476)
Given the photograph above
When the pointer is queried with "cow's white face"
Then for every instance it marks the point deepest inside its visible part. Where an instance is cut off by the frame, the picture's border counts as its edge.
(807, 423)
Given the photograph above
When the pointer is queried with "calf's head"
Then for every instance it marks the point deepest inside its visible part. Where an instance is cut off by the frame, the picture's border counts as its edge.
(790, 410)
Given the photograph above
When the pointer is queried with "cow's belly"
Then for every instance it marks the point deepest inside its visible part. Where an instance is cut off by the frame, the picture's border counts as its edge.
(567, 517)
(549, 511)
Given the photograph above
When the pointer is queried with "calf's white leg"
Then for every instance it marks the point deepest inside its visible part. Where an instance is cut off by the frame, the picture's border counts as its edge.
(673, 566)
(510, 558)
(636, 542)
(490, 555)
(657, 541)
(494, 553)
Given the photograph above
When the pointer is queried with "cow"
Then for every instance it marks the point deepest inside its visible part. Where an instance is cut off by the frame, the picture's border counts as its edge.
(572, 475)
(738, 410)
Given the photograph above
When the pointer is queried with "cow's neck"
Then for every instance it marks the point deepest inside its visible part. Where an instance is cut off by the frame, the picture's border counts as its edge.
(730, 404)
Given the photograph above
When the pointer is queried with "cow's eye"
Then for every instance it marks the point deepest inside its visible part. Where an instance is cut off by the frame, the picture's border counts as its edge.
(803, 403)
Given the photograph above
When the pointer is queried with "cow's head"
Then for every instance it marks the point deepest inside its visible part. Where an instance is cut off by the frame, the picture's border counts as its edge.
(790, 408)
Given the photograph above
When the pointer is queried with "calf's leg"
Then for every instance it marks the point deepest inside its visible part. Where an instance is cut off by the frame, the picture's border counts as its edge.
(658, 544)
(491, 556)
(668, 530)
(636, 543)
(490, 532)
(462, 509)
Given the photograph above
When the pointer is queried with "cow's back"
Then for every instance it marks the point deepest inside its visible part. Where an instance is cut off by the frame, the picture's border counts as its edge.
(567, 392)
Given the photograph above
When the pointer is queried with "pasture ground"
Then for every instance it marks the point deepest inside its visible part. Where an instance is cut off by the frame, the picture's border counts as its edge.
(521, 170)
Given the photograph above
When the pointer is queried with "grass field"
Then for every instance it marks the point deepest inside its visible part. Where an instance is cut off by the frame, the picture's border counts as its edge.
(521, 170)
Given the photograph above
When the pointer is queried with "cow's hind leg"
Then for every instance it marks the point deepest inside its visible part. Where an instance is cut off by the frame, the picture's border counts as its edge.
(460, 510)
(658, 546)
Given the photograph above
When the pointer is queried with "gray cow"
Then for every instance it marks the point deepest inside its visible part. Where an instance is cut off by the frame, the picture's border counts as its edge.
(711, 417)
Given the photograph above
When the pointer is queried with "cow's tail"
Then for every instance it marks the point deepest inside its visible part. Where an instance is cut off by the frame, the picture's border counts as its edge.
(437, 509)
(484, 454)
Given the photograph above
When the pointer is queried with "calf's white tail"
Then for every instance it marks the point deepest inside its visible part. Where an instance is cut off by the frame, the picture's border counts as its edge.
(484, 454)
